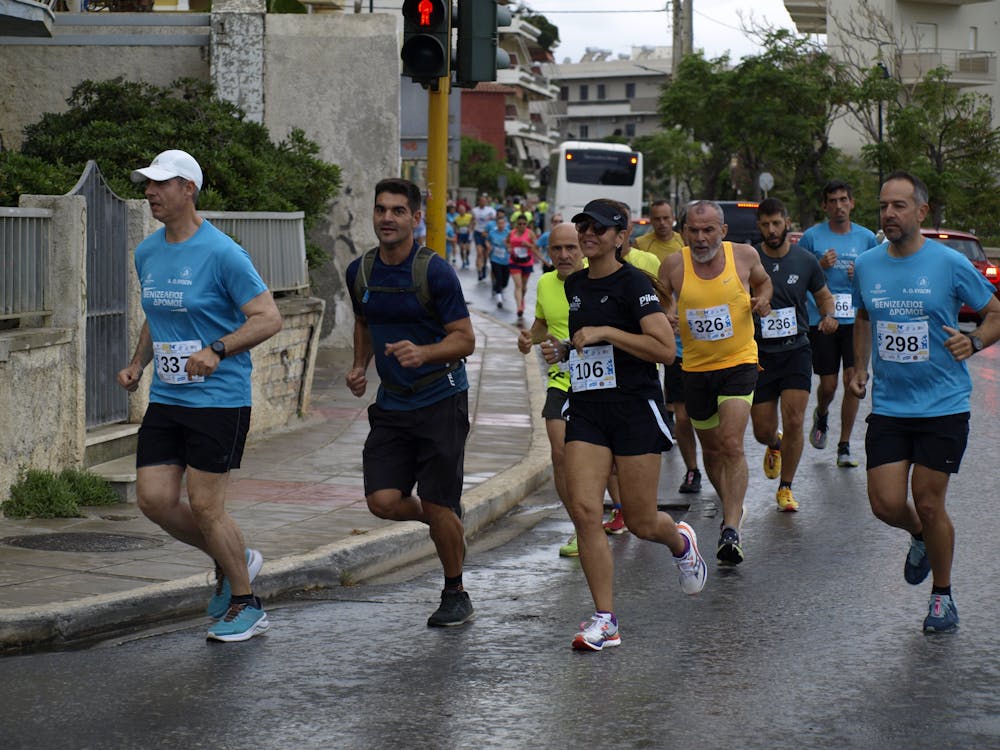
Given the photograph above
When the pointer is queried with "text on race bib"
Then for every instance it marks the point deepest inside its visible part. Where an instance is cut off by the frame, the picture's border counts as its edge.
(594, 369)
(903, 342)
(171, 358)
(843, 306)
(710, 323)
(780, 324)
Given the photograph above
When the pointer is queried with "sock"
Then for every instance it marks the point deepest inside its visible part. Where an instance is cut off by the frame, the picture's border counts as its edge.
(453, 584)
(942, 590)
(609, 615)
(784, 484)
(777, 445)
(250, 599)
(687, 547)
(843, 447)
(821, 421)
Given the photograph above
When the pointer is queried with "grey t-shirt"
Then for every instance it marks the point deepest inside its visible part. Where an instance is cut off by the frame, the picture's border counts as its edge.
(792, 275)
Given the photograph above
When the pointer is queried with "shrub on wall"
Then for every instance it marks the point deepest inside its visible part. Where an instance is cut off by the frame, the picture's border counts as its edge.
(123, 124)
(43, 494)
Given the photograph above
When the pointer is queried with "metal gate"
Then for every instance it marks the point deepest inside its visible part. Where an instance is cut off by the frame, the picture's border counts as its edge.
(107, 298)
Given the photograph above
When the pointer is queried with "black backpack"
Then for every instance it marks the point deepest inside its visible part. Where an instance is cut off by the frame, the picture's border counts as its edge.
(419, 285)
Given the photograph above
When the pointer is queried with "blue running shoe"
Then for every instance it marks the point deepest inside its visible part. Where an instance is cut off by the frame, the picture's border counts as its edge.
(219, 602)
(242, 622)
(942, 615)
(917, 566)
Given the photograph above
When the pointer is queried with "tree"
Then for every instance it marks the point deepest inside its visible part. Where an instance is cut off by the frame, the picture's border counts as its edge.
(548, 39)
(122, 124)
(480, 167)
(669, 154)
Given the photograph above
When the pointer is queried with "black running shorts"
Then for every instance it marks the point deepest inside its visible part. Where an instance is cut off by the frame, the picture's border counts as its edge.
(938, 443)
(208, 439)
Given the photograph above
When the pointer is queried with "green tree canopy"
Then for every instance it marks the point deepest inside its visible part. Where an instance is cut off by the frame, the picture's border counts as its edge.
(480, 167)
(123, 124)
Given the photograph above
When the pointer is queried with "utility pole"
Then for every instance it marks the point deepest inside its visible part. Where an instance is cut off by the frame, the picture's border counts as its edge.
(683, 30)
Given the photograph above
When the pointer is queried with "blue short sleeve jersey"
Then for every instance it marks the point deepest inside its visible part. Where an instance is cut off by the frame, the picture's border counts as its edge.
(498, 245)
(542, 243)
(818, 239)
(192, 292)
(908, 300)
(392, 316)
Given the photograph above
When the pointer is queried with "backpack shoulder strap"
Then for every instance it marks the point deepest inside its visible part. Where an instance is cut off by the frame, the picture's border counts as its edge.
(421, 286)
(364, 273)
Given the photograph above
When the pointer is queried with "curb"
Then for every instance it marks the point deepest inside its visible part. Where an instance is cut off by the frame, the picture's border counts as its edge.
(77, 623)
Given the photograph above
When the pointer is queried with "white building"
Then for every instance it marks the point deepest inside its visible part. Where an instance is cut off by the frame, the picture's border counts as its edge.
(600, 97)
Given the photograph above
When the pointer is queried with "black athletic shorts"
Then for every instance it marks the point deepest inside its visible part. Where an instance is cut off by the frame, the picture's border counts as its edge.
(783, 371)
(555, 403)
(630, 427)
(704, 390)
(208, 439)
(421, 447)
(829, 351)
(937, 443)
(673, 383)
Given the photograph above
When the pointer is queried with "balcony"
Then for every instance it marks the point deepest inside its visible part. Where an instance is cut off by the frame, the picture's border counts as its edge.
(26, 17)
(967, 67)
(809, 16)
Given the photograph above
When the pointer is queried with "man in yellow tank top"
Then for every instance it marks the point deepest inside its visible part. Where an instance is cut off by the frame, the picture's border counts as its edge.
(711, 282)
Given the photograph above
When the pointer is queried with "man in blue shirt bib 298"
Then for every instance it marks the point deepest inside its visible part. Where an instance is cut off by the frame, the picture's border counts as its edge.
(907, 293)
(206, 307)
(420, 418)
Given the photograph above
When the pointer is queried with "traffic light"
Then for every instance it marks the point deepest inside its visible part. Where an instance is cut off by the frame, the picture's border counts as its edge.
(479, 57)
(426, 48)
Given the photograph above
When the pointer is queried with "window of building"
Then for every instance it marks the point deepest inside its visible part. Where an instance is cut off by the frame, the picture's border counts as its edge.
(600, 91)
(584, 93)
(630, 91)
(927, 38)
(630, 130)
(973, 37)
(564, 93)
(584, 131)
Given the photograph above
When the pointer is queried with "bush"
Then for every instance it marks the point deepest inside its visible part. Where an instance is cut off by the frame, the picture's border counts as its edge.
(123, 124)
(44, 494)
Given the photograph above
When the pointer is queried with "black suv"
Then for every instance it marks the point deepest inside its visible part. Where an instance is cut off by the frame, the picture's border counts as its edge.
(741, 218)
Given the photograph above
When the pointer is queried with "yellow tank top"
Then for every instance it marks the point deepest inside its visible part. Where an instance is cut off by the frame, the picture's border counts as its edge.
(715, 319)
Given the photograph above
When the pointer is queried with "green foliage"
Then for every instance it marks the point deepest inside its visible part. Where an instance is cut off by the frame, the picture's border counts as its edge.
(549, 36)
(44, 494)
(480, 167)
(123, 124)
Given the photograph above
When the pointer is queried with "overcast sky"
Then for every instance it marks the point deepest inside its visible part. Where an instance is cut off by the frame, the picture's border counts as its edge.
(716, 25)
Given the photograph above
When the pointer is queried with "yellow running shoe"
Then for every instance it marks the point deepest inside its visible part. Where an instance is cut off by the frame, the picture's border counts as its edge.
(772, 461)
(786, 502)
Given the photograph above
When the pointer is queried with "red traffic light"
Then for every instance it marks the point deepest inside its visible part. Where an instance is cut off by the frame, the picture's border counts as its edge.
(426, 14)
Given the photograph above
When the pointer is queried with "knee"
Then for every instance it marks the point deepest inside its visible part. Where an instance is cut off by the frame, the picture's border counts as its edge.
(930, 510)
(762, 434)
(641, 529)
(882, 508)
(379, 506)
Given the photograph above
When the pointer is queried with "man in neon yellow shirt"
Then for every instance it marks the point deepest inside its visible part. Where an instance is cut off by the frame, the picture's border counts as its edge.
(663, 240)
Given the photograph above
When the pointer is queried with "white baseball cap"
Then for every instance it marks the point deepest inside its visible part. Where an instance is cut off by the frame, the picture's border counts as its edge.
(168, 165)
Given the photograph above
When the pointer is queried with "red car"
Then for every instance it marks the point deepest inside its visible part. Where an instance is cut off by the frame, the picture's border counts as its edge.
(969, 245)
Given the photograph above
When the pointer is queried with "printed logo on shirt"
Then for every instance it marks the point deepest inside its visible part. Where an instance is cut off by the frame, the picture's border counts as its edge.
(184, 279)
(793, 279)
(647, 299)
(574, 304)
(604, 299)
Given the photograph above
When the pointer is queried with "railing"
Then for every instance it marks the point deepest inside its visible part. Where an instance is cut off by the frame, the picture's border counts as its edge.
(25, 243)
(275, 241)
(965, 65)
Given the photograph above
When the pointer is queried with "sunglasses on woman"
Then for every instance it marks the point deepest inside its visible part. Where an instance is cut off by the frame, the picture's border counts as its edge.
(589, 224)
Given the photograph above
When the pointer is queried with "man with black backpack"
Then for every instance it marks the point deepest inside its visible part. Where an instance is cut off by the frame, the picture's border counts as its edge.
(411, 316)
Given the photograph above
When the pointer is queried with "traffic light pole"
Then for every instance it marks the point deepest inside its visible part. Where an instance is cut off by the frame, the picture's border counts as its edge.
(437, 165)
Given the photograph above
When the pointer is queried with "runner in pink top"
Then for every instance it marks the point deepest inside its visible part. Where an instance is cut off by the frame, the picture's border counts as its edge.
(521, 244)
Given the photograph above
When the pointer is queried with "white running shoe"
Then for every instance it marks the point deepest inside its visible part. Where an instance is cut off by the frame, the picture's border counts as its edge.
(691, 569)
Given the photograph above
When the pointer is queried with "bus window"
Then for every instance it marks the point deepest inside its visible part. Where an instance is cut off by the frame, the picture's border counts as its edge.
(601, 167)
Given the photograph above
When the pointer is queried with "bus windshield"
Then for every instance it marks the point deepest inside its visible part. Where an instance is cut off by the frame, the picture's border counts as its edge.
(587, 167)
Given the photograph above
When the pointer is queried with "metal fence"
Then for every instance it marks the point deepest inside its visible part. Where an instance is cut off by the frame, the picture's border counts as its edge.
(25, 242)
(275, 241)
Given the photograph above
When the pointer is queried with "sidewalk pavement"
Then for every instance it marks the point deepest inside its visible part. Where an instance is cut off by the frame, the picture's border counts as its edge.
(299, 499)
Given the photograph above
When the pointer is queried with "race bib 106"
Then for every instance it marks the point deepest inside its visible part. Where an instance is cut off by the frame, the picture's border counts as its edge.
(594, 369)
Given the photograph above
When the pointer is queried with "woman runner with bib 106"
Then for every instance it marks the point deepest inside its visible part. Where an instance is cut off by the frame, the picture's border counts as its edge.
(618, 332)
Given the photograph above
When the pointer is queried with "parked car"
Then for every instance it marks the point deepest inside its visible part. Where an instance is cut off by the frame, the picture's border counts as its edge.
(969, 245)
(639, 227)
(741, 219)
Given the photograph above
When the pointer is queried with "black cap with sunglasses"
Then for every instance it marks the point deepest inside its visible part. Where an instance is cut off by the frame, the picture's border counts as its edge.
(602, 215)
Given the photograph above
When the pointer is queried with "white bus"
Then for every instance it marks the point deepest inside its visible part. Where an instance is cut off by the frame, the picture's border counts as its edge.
(585, 170)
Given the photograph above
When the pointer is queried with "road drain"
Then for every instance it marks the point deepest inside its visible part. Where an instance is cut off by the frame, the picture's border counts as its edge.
(82, 542)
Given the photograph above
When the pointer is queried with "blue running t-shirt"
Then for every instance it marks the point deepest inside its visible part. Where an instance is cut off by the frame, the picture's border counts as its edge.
(192, 292)
(908, 300)
(818, 239)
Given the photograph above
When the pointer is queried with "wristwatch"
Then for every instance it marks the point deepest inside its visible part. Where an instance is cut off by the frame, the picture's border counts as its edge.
(219, 348)
(977, 343)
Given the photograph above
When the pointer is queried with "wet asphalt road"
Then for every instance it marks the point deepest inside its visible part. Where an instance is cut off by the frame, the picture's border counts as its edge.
(814, 642)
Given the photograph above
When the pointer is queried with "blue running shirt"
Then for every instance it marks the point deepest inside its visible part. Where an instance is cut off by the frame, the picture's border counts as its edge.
(908, 300)
(818, 239)
(192, 292)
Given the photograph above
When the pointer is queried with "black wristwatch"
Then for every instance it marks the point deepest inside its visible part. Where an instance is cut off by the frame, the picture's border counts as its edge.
(977, 343)
(219, 348)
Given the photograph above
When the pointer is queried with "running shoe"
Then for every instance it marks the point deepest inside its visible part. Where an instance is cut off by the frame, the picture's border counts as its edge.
(456, 609)
(772, 461)
(599, 632)
(616, 524)
(917, 565)
(570, 549)
(692, 482)
(219, 603)
(691, 569)
(942, 615)
(844, 459)
(817, 434)
(242, 622)
(786, 501)
(729, 550)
